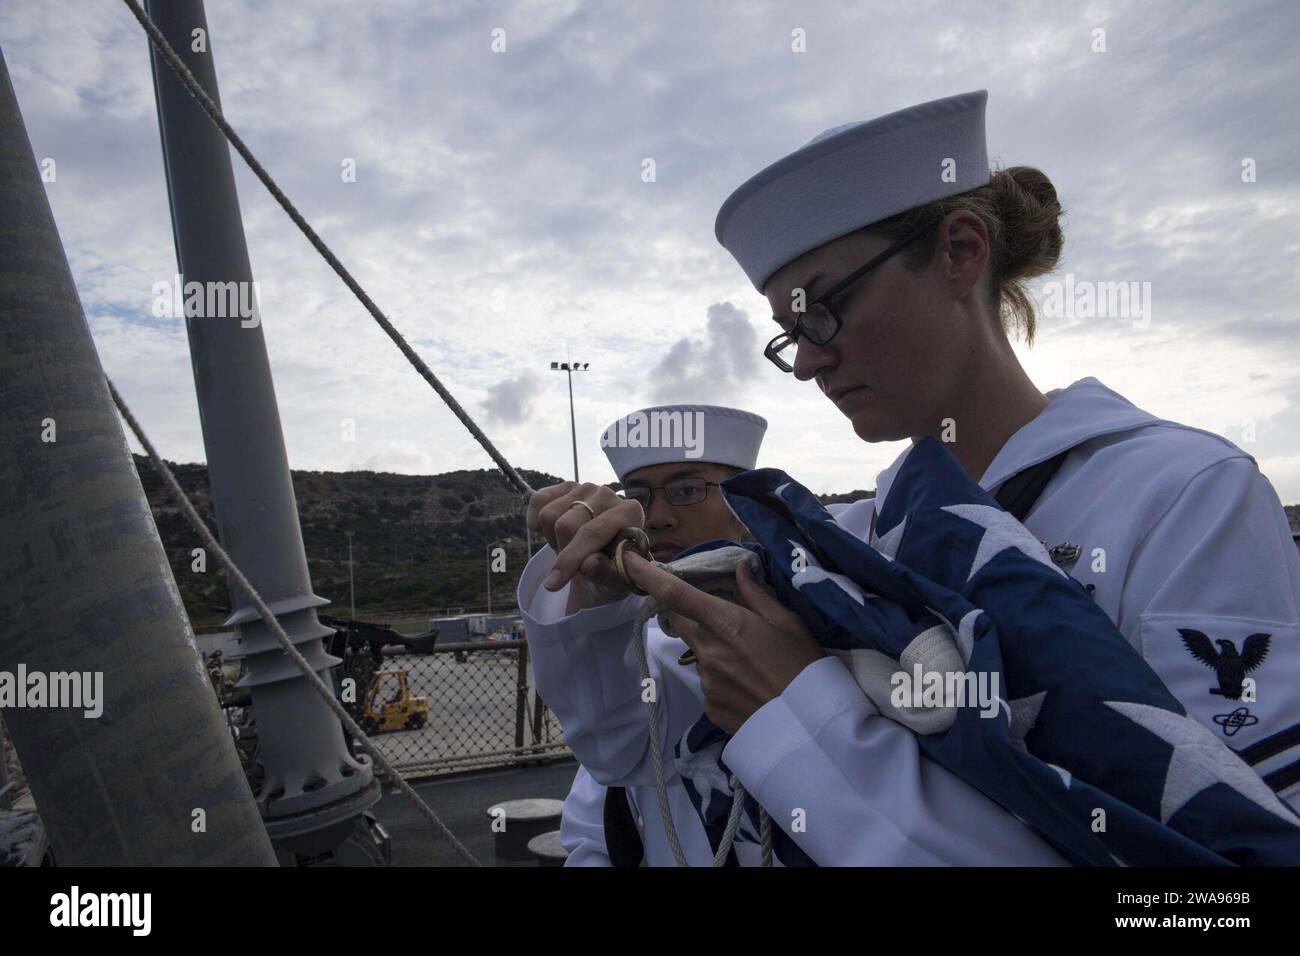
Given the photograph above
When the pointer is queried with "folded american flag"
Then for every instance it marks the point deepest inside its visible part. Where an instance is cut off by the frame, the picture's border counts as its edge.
(1082, 741)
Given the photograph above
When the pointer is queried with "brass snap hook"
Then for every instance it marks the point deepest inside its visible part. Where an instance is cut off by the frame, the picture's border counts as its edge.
(638, 541)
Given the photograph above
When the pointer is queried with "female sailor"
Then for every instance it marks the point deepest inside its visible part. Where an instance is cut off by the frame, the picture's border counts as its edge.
(894, 262)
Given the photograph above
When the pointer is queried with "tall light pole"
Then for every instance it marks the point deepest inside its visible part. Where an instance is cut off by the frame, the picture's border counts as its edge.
(569, 368)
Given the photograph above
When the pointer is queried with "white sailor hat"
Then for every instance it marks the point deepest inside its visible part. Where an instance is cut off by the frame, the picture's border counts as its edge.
(686, 433)
(851, 176)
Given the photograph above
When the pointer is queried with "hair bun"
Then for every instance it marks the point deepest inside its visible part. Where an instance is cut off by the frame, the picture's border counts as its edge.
(1031, 212)
(1022, 214)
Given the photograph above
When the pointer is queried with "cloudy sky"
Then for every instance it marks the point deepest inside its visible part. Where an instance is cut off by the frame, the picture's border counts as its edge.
(500, 218)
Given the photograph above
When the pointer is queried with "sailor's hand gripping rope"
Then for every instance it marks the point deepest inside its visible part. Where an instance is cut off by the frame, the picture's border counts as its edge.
(639, 542)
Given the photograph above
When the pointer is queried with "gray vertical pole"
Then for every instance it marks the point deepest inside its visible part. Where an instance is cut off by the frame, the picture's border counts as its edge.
(309, 787)
(85, 587)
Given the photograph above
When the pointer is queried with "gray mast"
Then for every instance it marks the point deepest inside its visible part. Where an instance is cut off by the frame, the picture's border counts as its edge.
(85, 586)
(311, 789)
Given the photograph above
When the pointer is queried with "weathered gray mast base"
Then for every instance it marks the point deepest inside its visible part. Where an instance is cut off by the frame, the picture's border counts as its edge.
(85, 586)
(311, 790)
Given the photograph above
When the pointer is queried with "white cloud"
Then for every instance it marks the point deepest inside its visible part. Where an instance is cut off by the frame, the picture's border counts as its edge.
(716, 367)
(511, 401)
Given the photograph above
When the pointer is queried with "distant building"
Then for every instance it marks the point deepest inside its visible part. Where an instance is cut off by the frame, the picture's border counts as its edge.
(460, 628)
(451, 630)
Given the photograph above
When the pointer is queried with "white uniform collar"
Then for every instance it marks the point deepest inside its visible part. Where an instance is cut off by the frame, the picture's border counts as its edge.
(1085, 410)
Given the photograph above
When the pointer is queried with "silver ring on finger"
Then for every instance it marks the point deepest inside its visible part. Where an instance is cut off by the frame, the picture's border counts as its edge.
(582, 504)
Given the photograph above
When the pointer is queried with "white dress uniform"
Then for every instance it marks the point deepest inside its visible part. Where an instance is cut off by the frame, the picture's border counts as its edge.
(1179, 535)
(1187, 549)
(582, 822)
(582, 829)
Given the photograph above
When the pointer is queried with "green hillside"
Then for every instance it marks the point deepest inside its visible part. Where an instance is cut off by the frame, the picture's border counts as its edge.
(418, 542)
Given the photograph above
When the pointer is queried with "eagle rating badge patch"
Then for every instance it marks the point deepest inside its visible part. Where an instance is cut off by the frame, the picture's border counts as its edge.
(1238, 677)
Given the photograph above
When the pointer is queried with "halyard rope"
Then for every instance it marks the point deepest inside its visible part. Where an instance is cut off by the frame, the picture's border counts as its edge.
(711, 563)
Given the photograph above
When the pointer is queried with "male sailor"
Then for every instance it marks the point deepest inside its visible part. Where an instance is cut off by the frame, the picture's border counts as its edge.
(670, 461)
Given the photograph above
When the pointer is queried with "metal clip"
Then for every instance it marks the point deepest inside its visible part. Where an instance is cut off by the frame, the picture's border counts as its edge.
(638, 541)
(1064, 554)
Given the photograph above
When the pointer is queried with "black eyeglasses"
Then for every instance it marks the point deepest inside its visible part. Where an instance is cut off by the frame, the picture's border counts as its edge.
(819, 322)
(679, 492)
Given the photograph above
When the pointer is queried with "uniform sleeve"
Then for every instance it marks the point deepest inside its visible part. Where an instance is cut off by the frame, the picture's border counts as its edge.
(582, 823)
(852, 788)
(587, 673)
(1212, 595)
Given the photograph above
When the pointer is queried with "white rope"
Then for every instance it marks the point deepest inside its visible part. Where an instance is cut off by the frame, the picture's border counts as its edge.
(661, 786)
(656, 746)
(286, 644)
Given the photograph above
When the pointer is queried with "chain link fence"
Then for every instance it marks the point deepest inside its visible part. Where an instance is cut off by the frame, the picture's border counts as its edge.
(459, 707)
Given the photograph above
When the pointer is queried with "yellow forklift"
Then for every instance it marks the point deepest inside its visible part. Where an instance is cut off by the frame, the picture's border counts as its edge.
(389, 706)
(386, 704)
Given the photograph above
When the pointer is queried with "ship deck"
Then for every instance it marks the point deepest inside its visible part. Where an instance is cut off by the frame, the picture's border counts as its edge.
(462, 802)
